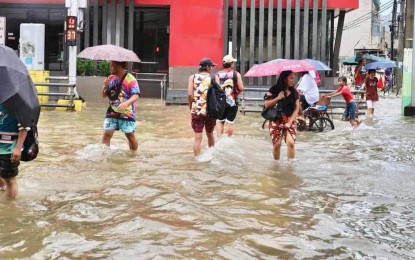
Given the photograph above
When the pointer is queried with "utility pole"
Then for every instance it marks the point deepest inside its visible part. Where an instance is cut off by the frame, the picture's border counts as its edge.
(393, 30)
(401, 43)
(409, 100)
(409, 23)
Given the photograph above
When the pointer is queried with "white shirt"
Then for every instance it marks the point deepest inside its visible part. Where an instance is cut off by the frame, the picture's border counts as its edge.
(309, 88)
(312, 73)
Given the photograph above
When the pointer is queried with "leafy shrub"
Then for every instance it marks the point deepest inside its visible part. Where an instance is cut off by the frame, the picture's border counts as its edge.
(104, 68)
(89, 66)
(80, 67)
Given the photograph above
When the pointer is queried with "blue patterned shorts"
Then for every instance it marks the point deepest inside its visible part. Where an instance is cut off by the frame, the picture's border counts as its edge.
(119, 124)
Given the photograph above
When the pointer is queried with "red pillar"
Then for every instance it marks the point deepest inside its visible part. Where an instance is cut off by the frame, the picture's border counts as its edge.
(196, 31)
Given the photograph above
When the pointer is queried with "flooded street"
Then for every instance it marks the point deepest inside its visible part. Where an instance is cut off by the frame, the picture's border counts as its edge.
(349, 194)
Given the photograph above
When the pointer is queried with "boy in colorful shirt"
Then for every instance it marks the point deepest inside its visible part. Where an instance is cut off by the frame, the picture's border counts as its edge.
(11, 142)
(121, 113)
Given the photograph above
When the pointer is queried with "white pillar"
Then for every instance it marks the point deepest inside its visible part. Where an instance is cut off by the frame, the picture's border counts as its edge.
(72, 50)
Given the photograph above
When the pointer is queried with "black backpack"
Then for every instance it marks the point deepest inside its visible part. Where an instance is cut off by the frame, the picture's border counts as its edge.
(30, 145)
(216, 100)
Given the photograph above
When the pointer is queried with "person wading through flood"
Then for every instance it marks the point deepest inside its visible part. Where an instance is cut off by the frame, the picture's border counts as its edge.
(360, 75)
(371, 87)
(12, 138)
(285, 127)
(197, 90)
(122, 90)
(231, 82)
(344, 90)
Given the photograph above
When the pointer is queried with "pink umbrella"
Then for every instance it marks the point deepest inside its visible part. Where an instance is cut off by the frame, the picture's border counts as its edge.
(108, 52)
(275, 67)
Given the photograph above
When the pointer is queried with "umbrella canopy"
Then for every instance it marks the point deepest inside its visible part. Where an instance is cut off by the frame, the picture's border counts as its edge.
(349, 61)
(318, 64)
(17, 91)
(275, 67)
(381, 65)
(108, 52)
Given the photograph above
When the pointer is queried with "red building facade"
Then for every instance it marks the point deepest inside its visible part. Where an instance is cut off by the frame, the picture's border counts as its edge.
(168, 35)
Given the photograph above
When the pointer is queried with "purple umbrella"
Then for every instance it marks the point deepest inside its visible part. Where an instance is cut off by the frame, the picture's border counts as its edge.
(109, 52)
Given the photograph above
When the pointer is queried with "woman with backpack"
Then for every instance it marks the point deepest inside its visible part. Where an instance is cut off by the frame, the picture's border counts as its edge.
(284, 128)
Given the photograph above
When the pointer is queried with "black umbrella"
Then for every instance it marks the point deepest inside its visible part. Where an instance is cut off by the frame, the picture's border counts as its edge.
(17, 91)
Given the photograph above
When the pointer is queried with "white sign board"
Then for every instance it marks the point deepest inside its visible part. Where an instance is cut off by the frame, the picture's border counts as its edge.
(2, 30)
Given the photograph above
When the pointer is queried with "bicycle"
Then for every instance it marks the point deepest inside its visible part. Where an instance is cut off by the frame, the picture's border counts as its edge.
(315, 119)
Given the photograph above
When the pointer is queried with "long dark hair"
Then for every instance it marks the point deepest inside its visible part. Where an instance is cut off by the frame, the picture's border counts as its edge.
(281, 82)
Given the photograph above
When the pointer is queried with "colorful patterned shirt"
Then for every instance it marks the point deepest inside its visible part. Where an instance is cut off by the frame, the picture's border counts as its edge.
(129, 88)
(8, 130)
(201, 84)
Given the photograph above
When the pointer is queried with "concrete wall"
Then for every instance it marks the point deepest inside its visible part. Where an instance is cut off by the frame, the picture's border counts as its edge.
(89, 88)
(360, 36)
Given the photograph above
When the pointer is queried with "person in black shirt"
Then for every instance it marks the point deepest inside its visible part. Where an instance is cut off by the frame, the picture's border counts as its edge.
(285, 127)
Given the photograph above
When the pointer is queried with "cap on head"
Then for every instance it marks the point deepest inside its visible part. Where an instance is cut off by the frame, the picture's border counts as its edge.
(206, 62)
(228, 59)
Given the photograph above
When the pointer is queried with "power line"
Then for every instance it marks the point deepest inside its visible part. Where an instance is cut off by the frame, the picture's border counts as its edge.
(383, 7)
(357, 25)
(357, 22)
(360, 22)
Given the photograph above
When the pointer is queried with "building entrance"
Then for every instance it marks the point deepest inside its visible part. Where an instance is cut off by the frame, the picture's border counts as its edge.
(50, 15)
(151, 39)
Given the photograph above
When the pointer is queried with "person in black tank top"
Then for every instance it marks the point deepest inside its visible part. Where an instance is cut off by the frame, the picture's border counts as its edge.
(285, 127)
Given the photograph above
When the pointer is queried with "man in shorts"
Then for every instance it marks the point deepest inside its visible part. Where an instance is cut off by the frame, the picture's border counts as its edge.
(122, 90)
(12, 137)
(198, 86)
(231, 82)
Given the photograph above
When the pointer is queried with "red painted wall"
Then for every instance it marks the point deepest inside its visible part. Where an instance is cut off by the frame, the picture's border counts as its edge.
(196, 31)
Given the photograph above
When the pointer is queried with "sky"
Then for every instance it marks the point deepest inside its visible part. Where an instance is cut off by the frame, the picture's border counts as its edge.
(389, 10)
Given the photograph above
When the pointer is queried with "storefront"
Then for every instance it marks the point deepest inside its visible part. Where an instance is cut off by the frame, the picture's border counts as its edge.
(171, 36)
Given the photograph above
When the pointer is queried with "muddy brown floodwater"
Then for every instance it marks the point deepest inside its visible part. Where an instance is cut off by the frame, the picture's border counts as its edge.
(349, 194)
